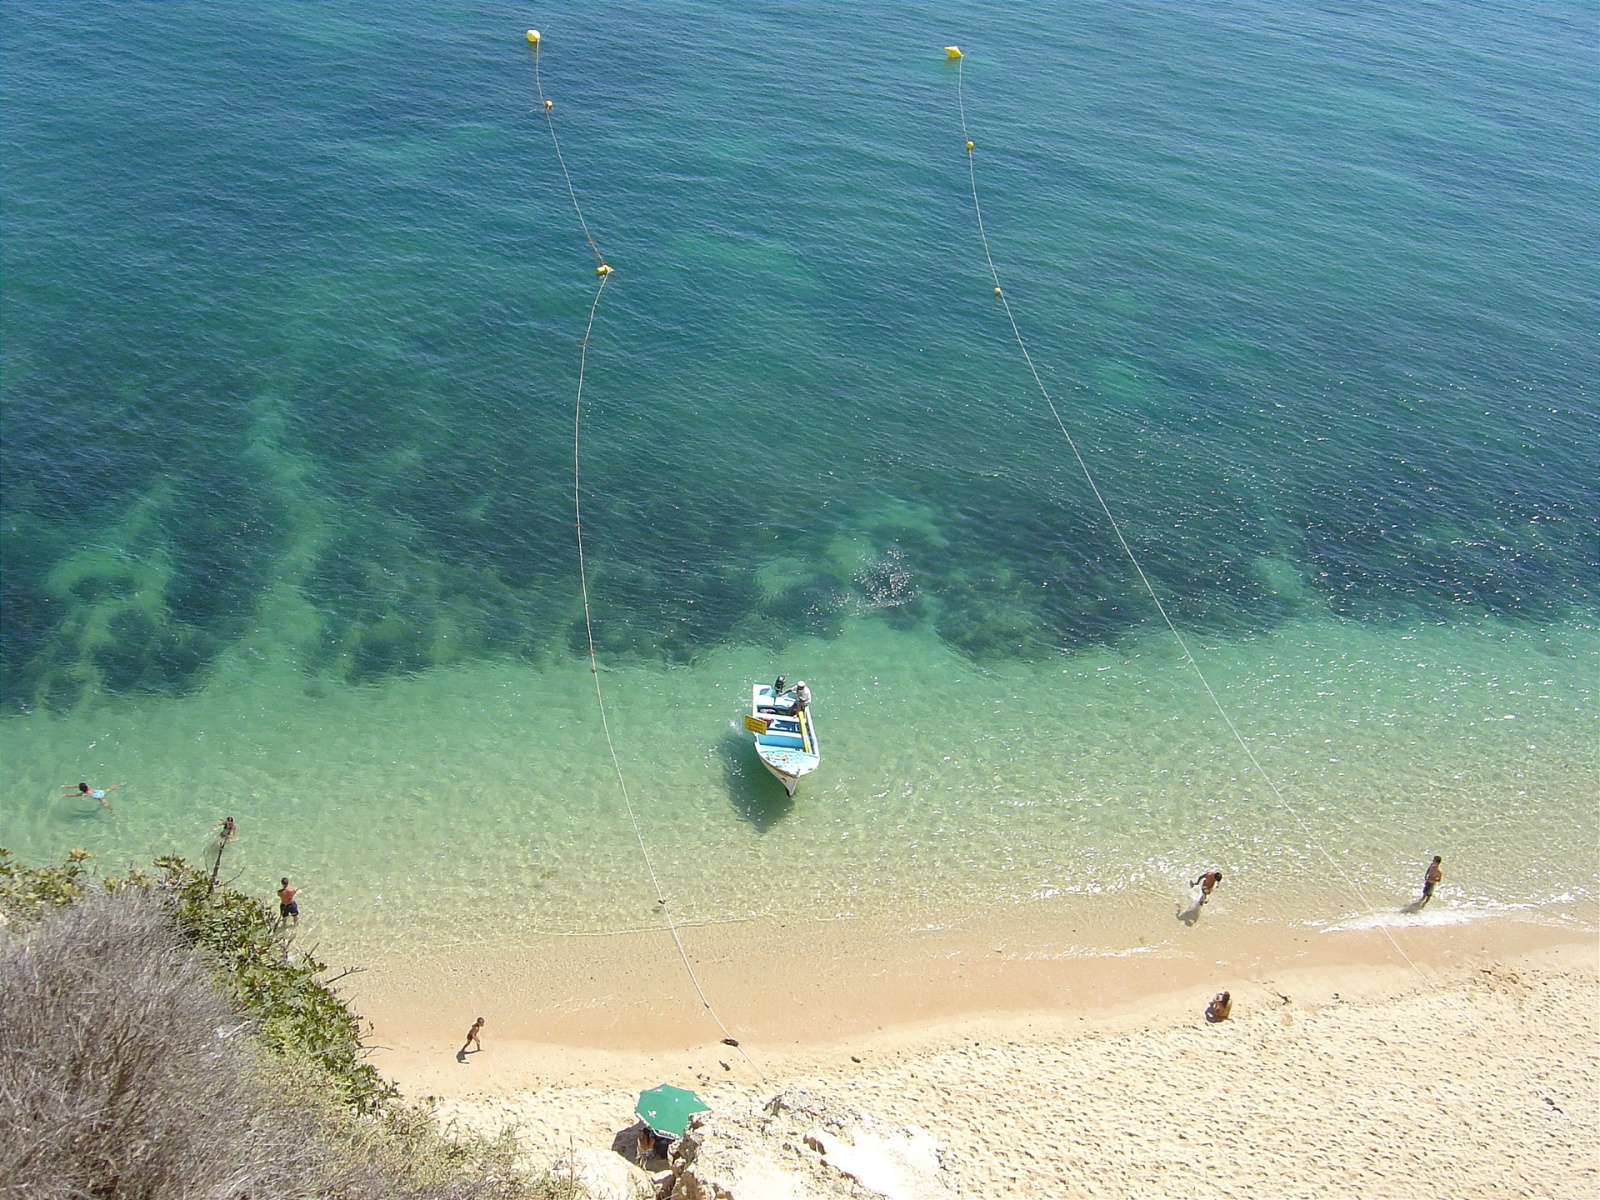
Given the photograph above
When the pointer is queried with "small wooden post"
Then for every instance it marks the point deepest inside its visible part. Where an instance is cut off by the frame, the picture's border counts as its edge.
(224, 836)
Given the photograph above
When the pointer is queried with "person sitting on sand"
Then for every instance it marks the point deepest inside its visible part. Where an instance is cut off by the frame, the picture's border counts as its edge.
(1206, 881)
(286, 906)
(472, 1039)
(652, 1145)
(1219, 1008)
(85, 792)
(1430, 880)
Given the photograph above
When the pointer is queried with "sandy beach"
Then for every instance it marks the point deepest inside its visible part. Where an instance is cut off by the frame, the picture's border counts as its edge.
(1044, 1064)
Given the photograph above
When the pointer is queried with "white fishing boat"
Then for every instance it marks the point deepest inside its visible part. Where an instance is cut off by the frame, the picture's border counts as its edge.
(786, 739)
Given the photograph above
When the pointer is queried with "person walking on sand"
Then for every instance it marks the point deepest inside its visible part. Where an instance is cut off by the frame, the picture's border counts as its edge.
(84, 792)
(1205, 882)
(287, 908)
(472, 1040)
(1430, 880)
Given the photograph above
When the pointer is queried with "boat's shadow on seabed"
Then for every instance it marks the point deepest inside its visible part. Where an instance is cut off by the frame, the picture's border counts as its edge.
(755, 795)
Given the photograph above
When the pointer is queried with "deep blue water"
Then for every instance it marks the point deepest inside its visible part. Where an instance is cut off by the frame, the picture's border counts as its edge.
(292, 293)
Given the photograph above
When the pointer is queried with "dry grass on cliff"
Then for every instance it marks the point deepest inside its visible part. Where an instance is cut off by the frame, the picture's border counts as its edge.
(124, 1073)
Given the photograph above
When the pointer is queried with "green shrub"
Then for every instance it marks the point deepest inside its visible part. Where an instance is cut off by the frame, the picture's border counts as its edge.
(294, 1013)
(157, 1038)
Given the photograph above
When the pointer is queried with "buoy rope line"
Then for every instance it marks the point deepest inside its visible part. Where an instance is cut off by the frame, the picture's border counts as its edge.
(603, 274)
(1116, 528)
(546, 106)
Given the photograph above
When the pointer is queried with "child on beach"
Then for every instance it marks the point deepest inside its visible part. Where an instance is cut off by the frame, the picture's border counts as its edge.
(1219, 1008)
(1205, 882)
(1430, 880)
(472, 1040)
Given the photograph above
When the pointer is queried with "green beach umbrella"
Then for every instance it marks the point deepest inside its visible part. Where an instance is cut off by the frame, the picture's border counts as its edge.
(666, 1108)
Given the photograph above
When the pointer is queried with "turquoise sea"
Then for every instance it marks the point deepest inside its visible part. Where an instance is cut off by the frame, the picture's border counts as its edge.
(289, 340)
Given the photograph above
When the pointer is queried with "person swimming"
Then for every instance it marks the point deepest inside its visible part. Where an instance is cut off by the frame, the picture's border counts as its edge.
(84, 792)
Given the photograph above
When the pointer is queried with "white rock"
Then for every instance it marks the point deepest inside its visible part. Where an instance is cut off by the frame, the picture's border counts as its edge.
(800, 1146)
(723, 1158)
(605, 1176)
(898, 1167)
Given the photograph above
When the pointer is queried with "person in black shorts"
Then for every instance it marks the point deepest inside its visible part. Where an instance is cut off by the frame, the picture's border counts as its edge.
(287, 908)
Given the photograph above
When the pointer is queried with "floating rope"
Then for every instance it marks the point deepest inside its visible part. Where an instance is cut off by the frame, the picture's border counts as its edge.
(603, 273)
(954, 54)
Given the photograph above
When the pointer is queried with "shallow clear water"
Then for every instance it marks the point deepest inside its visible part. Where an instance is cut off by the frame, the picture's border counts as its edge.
(290, 320)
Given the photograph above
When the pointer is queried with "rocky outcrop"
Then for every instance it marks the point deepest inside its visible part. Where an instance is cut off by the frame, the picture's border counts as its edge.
(800, 1146)
(605, 1176)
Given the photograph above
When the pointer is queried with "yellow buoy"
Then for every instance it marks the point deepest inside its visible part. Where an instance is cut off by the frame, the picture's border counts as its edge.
(953, 51)
(602, 269)
(533, 37)
(997, 291)
(969, 147)
(547, 105)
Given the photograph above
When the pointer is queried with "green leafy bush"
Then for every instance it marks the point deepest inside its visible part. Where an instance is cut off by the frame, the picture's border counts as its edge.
(157, 1037)
(293, 1012)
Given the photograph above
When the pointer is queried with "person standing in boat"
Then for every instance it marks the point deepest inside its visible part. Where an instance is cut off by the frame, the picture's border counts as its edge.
(802, 697)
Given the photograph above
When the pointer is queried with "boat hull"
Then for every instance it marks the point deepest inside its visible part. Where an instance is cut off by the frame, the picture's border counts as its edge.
(790, 782)
(785, 738)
